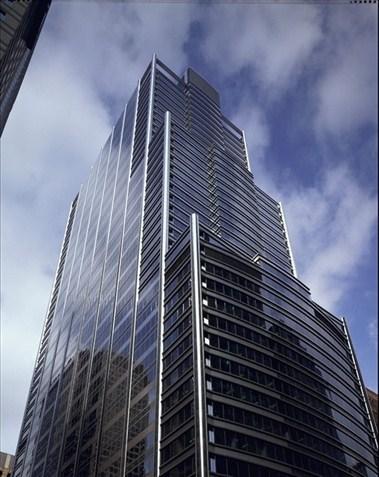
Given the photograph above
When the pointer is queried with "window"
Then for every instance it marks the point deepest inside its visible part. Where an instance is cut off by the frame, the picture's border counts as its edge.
(212, 464)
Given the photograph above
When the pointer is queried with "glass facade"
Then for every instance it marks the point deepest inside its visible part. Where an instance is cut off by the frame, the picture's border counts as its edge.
(178, 340)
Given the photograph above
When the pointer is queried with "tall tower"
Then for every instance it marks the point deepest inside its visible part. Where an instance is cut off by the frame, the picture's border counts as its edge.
(178, 340)
(20, 26)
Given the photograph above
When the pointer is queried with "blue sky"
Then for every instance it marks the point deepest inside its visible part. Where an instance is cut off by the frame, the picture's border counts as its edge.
(300, 79)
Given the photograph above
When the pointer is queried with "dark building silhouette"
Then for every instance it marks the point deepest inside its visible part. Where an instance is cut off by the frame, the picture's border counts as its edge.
(178, 340)
(20, 25)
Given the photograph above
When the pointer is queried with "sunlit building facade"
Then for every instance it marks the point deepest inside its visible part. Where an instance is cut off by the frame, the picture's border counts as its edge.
(178, 340)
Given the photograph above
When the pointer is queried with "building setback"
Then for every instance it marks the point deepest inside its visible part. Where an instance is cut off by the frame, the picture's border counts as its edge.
(178, 340)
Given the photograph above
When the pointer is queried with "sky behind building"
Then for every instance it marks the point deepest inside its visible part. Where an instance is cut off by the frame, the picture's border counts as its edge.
(302, 82)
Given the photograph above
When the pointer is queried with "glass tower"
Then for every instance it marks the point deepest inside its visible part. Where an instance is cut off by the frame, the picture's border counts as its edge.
(178, 340)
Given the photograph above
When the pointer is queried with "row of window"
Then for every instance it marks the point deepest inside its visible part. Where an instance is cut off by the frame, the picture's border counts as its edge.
(184, 288)
(178, 313)
(184, 271)
(136, 451)
(178, 445)
(233, 292)
(230, 276)
(183, 367)
(142, 376)
(245, 315)
(137, 427)
(268, 450)
(177, 352)
(177, 331)
(230, 467)
(178, 419)
(263, 379)
(230, 308)
(268, 361)
(184, 145)
(191, 173)
(258, 338)
(177, 395)
(272, 426)
(110, 445)
(177, 259)
(183, 469)
(279, 406)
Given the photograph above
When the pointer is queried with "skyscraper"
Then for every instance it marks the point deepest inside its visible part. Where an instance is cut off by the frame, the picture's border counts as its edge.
(178, 340)
(20, 25)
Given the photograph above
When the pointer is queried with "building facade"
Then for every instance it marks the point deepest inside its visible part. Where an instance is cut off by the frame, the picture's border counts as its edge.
(6, 464)
(178, 340)
(373, 401)
(20, 23)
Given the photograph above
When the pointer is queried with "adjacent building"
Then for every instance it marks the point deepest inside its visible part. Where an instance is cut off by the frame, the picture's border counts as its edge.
(6, 464)
(373, 400)
(20, 25)
(179, 340)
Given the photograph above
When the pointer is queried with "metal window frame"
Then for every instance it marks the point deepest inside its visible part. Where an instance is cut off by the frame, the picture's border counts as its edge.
(198, 344)
(360, 381)
(164, 249)
(288, 240)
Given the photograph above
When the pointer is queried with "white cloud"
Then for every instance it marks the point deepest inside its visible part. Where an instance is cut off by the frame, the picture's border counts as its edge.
(347, 94)
(331, 227)
(373, 332)
(275, 40)
(278, 43)
(251, 119)
(63, 126)
(114, 45)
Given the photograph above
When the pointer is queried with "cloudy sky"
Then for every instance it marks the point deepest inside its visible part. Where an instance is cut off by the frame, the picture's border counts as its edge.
(300, 79)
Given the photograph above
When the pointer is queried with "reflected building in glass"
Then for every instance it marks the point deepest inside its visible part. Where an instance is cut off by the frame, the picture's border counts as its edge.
(178, 340)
